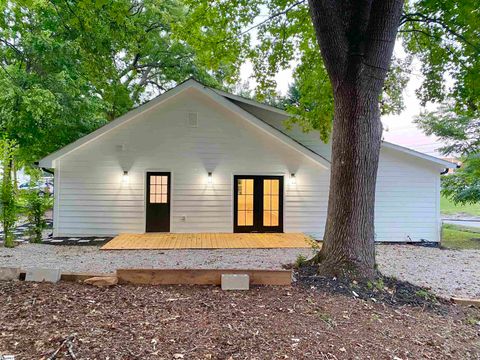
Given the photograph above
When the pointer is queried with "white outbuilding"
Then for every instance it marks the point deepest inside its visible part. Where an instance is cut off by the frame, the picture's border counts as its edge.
(196, 159)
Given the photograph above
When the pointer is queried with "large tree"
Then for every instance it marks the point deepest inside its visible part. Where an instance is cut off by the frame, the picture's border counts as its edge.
(67, 67)
(344, 76)
(356, 40)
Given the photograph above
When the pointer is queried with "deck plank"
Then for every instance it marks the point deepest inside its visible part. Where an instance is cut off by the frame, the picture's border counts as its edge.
(161, 241)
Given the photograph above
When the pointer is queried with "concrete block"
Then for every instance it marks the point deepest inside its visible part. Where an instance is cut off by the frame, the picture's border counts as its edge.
(7, 274)
(235, 282)
(40, 275)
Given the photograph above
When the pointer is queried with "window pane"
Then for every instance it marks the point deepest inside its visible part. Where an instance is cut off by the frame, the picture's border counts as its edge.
(164, 180)
(163, 198)
(266, 186)
(249, 202)
(164, 189)
(266, 218)
(274, 202)
(266, 202)
(275, 187)
(274, 220)
(241, 202)
(152, 180)
(241, 218)
(249, 185)
(241, 186)
(249, 218)
(152, 198)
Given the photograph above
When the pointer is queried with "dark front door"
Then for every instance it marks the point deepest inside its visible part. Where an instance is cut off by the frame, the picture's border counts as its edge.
(258, 203)
(158, 202)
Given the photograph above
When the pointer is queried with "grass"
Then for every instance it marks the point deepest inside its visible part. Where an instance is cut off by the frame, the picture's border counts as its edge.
(447, 207)
(460, 237)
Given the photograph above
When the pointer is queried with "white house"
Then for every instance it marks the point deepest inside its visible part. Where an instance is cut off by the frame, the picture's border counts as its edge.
(196, 159)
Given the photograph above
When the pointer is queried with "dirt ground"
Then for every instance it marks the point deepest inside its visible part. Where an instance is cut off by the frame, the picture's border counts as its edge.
(180, 322)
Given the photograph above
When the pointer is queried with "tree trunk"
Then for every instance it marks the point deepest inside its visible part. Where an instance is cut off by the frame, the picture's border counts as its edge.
(356, 40)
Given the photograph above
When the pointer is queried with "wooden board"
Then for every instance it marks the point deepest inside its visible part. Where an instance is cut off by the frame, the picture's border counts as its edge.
(466, 302)
(164, 241)
(200, 276)
(80, 276)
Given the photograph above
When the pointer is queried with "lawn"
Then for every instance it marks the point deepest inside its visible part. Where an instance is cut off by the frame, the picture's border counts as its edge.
(447, 207)
(459, 237)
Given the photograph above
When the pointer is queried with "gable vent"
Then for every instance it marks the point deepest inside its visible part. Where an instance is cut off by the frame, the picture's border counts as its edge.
(192, 119)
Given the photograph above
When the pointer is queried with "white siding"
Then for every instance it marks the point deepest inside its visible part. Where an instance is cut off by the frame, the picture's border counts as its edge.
(408, 188)
(407, 198)
(91, 199)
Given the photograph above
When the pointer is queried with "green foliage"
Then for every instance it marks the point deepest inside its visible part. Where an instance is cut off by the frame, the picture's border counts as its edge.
(281, 37)
(36, 203)
(460, 131)
(66, 67)
(377, 284)
(8, 207)
(444, 35)
(426, 295)
(300, 261)
(463, 187)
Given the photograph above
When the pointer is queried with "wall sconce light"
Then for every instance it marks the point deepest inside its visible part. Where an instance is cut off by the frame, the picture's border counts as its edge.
(209, 178)
(293, 180)
(125, 177)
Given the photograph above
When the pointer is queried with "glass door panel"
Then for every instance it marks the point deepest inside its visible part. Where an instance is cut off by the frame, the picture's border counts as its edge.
(245, 195)
(271, 200)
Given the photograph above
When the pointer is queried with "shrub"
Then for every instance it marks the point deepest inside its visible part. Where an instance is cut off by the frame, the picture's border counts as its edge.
(37, 202)
(8, 204)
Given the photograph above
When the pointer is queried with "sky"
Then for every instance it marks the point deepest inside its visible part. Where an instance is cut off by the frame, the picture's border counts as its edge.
(398, 129)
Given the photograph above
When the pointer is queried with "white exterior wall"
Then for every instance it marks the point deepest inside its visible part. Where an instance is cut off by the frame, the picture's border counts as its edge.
(408, 188)
(90, 198)
(407, 203)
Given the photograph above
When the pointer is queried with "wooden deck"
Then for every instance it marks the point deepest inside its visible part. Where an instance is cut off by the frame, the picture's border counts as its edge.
(160, 241)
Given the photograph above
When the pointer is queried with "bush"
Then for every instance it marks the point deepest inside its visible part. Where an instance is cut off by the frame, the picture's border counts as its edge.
(37, 202)
(8, 206)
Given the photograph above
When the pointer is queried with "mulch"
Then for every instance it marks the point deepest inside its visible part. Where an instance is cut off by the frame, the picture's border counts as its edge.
(304, 321)
(383, 289)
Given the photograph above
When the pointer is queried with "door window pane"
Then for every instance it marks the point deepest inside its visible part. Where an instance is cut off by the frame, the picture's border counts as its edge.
(158, 189)
(245, 202)
(271, 200)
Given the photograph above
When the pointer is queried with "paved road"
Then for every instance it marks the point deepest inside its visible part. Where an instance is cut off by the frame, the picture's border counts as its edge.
(469, 223)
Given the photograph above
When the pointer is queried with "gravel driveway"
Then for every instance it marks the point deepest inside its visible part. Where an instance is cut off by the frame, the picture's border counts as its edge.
(446, 272)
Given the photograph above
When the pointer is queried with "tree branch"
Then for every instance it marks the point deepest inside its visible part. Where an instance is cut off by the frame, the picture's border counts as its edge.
(418, 17)
(273, 16)
(331, 37)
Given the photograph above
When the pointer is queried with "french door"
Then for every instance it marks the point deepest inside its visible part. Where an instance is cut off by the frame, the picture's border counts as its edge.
(158, 202)
(258, 203)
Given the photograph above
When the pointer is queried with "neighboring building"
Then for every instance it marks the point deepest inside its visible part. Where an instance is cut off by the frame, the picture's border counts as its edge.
(196, 159)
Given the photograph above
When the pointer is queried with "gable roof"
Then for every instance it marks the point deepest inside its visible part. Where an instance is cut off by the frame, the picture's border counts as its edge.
(50, 160)
(222, 98)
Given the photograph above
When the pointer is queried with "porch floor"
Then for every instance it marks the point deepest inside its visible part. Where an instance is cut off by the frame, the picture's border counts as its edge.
(160, 241)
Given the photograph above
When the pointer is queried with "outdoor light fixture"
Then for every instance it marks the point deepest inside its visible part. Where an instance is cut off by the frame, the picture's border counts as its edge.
(293, 180)
(210, 179)
(125, 177)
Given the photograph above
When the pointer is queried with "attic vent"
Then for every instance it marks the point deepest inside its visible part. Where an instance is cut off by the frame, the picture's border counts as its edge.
(192, 119)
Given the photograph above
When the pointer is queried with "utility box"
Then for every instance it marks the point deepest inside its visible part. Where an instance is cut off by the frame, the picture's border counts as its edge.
(235, 282)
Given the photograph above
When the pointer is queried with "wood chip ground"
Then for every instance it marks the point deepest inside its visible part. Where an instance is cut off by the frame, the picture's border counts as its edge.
(185, 322)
